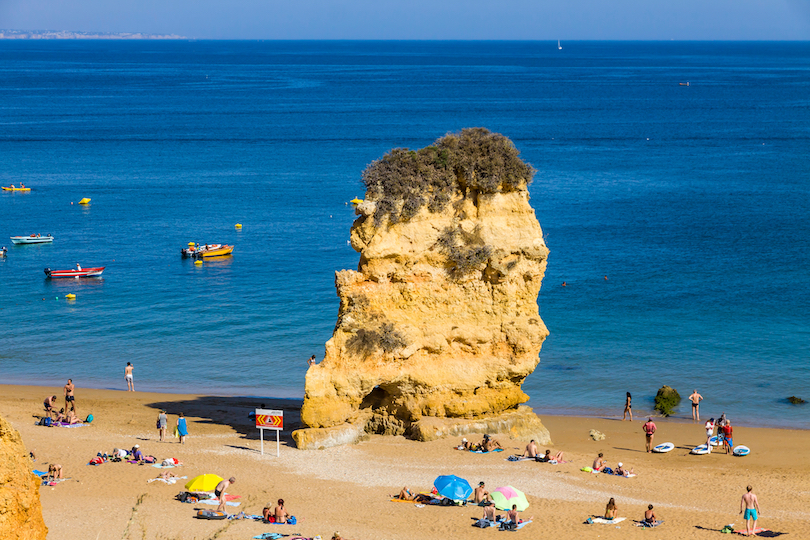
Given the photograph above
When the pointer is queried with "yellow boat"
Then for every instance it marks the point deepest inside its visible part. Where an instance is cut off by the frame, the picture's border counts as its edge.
(217, 252)
(16, 188)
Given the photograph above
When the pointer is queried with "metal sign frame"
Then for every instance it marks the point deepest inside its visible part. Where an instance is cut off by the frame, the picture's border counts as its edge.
(273, 420)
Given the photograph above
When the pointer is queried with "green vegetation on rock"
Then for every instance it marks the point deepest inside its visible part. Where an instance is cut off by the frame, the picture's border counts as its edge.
(666, 400)
(796, 400)
(403, 181)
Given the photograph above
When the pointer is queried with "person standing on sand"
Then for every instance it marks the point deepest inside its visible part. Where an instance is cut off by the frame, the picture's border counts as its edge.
(219, 491)
(728, 440)
(628, 408)
(649, 430)
(162, 422)
(70, 399)
(182, 428)
(750, 505)
(128, 377)
(709, 433)
(50, 402)
(695, 399)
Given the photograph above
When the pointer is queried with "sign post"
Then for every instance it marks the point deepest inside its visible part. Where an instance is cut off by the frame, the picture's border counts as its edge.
(269, 419)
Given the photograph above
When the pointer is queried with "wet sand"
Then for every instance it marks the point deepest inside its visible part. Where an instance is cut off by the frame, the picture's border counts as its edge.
(346, 489)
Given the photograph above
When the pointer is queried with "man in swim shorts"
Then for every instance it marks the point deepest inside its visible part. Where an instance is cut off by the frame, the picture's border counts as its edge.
(531, 450)
(728, 441)
(649, 430)
(219, 491)
(480, 494)
(70, 399)
(695, 399)
(750, 505)
(128, 377)
(49, 403)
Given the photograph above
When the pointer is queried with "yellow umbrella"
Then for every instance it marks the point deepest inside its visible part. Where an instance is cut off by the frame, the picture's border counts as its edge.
(204, 482)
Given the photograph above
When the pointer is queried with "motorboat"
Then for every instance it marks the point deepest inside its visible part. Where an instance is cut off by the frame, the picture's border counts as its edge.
(77, 272)
(33, 239)
(197, 251)
(12, 188)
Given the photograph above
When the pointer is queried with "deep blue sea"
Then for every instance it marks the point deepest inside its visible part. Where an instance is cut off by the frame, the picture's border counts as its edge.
(692, 200)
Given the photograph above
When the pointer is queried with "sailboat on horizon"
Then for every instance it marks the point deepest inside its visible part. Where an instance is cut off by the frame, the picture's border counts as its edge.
(559, 47)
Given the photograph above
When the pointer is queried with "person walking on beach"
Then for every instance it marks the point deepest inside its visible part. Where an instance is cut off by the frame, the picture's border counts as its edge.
(182, 428)
(219, 491)
(695, 399)
(128, 377)
(162, 422)
(649, 430)
(750, 505)
(70, 399)
(628, 408)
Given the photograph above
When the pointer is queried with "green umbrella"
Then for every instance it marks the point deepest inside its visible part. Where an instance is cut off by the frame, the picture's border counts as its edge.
(505, 497)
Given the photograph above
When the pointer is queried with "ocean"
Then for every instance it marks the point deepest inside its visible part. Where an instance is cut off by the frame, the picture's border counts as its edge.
(676, 215)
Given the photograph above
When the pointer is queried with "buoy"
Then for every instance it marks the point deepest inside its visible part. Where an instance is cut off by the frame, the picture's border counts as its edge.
(198, 262)
(356, 201)
(70, 296)
(84, 201)
(238, 225)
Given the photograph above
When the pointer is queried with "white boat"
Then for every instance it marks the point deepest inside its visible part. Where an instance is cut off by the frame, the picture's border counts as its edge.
(33, 239)
(559, 47)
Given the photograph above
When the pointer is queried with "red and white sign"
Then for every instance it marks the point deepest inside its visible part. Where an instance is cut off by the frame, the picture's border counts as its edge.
(268, 419)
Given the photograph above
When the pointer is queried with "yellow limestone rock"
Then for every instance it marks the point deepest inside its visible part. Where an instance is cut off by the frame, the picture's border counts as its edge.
(20, 509)
(439, 326)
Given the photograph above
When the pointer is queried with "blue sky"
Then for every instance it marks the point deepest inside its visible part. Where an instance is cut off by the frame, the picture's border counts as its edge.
(422, 19)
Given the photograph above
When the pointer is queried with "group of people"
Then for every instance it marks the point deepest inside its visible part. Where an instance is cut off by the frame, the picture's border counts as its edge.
(532, 452)
(600, 465)
(279, 514)
(724, 433)
(163, 421)
(63, 416)
(487, 444)
(70, 403)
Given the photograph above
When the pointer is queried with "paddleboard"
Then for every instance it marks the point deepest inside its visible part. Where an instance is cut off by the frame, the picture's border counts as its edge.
(716, 441)
(700, 450)
(663, 447)
(741, 450)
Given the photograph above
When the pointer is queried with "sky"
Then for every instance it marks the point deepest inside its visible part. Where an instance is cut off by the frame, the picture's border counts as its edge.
(422, 19)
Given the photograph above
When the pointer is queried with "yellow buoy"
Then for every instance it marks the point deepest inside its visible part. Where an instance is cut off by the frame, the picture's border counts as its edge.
(356, 201)
(84, 201)
(238, 225)
(70, 296)
(198, 262)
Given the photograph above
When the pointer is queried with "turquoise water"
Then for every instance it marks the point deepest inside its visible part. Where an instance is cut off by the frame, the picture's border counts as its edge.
(693, 201)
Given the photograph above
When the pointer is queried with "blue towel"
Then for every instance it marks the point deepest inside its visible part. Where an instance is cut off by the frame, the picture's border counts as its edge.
(40, 473)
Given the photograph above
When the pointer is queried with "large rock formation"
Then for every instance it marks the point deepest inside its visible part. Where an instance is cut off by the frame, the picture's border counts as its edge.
(439, 326)
(20, 509)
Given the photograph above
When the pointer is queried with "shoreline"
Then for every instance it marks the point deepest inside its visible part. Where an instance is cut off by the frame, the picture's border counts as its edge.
(584, 412)
(347, 488)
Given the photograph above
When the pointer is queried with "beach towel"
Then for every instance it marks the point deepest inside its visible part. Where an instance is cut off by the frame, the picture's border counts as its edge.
(63, 424)
(603, 521)
(162, 466)
(215, 502)
(589, 469)
(169, 481)
(648, 525)
(519, 458)
(484, 523)
(39, 473)
(757, 530)
(269, 536)
(482, 452)
(523, 524)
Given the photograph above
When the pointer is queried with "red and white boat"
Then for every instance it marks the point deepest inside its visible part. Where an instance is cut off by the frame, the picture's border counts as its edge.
(77, 272)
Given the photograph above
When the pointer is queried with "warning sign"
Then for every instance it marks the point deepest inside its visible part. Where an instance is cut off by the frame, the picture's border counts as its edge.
(267, 419)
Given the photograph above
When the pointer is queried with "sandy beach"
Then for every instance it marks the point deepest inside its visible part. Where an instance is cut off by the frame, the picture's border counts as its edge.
(347, 489)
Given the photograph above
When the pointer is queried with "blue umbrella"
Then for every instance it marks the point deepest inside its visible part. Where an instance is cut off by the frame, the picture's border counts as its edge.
(453, 487)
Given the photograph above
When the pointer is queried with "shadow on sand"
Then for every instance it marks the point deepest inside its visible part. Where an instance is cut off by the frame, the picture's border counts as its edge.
(763, 534)
(233, 412)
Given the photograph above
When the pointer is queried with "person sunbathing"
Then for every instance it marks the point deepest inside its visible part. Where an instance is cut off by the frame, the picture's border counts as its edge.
(649, 516)
(60, 416)
(404, 495)
(168, 474)
(480, 494)
(72, 418)
(621, 471)
(599, 463)
(489, 511)
(281, 513)
(467, 445)
(611, 510)
(54, 472)
(489, 444)
(549, 457)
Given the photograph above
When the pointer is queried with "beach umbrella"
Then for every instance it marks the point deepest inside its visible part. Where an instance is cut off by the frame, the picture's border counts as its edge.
(453, 487)
(505, 497)
(204, 482)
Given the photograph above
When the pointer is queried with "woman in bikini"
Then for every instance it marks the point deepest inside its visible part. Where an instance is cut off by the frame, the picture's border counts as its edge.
(649, 516)
(611, 510)
(628, 408)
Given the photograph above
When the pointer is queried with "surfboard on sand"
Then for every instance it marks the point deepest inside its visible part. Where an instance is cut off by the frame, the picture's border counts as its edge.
(663, 447)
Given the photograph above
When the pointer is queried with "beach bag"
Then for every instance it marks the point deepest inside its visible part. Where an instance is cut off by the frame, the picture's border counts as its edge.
(292, 520)
(513, 458)
(481, 523)
(157, 423)
(607, 470)
(508, 526)
(47, 421)
(89, 418)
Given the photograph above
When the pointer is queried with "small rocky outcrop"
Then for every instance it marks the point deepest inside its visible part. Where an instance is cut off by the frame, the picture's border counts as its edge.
(596, 435)
(666, 400)
(439, 326)
(20, 509)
